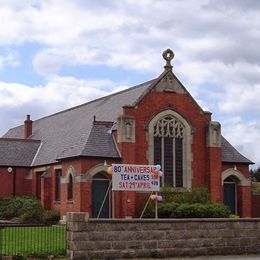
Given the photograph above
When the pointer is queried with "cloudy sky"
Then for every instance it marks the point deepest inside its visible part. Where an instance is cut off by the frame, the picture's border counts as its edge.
(58, 54)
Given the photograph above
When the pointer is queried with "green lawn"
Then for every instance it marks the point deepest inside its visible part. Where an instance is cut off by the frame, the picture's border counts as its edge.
(33, 241)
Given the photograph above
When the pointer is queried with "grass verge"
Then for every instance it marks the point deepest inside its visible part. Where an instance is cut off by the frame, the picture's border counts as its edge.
(33, 241)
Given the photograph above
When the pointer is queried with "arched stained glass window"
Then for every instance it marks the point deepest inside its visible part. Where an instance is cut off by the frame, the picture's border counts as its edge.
(168, 149)
(170, 138)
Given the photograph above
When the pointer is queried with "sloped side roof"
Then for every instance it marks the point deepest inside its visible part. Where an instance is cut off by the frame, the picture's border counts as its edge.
(230, 154)
(101, 142)
(17, 152)
(69, 130)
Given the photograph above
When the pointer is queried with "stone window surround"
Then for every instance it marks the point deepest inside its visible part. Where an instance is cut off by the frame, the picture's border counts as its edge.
(187, 141)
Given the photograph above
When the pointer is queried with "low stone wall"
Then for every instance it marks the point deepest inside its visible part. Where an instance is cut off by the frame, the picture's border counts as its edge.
(151, 238)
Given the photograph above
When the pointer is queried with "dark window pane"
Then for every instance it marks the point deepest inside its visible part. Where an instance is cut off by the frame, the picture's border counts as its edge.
(168, 161)
(70, 188)
(178, 162)
(57, 184)
(157, 150)
(38, 185)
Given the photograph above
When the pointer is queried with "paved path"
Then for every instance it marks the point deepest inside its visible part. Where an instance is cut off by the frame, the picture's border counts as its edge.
(219, 257)
(215, 257)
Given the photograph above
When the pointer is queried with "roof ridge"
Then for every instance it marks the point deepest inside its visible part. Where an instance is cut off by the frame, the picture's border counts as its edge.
(19, 140)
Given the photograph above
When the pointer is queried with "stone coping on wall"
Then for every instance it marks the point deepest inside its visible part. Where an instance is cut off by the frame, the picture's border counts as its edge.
(84, 217)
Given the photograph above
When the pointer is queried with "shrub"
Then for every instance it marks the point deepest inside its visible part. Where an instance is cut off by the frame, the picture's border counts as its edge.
(165, 210)
(50, 216)
(26, 209)
(233, 216)
(196, 195)
(217, 210)
(16, 206)
(184, 210)
(32, 217)
(198, 210)
(189, 211)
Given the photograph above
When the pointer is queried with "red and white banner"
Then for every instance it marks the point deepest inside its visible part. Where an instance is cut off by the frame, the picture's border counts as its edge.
(134, 177)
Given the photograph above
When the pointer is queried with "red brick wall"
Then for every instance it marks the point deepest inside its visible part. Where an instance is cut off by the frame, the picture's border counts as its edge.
(46, 195)
(6, 178)
(240, 167)
(22, 185)
(214, 172)
(152, 104)
(256, 206)
(155, 102)
(244, 201)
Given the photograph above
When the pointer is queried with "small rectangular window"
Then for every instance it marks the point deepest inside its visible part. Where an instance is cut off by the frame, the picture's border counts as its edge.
(57, 184)
(38, 185)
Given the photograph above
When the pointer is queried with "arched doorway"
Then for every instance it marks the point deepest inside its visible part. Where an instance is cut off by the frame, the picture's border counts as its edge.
(100, 185)
(230, 194)
(234, 183)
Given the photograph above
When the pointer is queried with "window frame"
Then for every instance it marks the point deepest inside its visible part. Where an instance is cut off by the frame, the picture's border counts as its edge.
(187, 141)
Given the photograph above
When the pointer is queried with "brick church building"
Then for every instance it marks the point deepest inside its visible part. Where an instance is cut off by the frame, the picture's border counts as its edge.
(62, 158)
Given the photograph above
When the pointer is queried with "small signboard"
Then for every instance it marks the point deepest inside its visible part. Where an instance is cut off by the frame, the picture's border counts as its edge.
(134, 177)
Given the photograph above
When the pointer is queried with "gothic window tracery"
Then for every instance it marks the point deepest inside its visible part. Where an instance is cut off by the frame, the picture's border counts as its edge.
(168, 138)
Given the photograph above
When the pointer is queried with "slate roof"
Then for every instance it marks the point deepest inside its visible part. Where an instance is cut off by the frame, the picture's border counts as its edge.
(17, 152)
(230, 154)
(74, 132)
(67, 133)
(100, 142)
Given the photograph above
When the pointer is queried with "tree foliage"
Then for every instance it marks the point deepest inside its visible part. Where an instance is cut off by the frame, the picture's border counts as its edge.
(255, 174)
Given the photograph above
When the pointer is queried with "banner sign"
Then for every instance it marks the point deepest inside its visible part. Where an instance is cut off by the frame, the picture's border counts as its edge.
(134, 177)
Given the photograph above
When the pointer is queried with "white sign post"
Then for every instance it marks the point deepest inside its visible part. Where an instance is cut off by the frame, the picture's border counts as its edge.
(135, 177)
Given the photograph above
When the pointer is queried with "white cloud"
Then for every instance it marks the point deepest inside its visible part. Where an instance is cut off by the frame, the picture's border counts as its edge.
(132, 33)
(215, 43)
(244, 136)
(17, 100)
(241, 99)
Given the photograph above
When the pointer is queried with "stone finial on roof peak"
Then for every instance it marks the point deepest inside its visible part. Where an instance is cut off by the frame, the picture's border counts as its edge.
(168, 55)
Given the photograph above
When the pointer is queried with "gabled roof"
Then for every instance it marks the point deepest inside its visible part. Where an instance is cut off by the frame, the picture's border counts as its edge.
(18, 152)
(67, 133)
(76, 132)
(231, 155)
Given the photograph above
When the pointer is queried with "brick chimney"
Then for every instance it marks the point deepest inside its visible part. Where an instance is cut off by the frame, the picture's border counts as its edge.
(27, 127)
